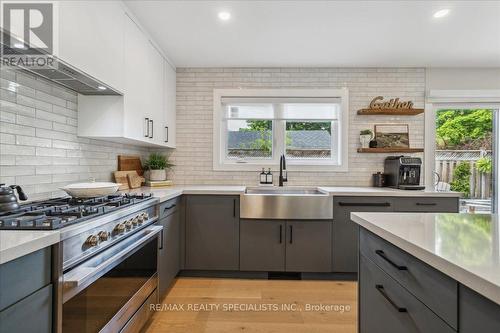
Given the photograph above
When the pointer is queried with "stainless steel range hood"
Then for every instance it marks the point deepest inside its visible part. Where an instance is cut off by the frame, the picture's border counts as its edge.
(57, 71)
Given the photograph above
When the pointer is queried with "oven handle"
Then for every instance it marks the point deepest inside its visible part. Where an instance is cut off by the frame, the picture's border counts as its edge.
(82, 275)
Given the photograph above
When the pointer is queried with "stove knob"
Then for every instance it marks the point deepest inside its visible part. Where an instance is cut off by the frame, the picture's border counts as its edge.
(92, 240)
(103, 236)
(145, 215)
(119, 228)
(135, 221)
(128, 224)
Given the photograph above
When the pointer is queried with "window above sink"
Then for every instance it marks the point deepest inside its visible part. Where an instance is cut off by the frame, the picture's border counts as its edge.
(253, 127)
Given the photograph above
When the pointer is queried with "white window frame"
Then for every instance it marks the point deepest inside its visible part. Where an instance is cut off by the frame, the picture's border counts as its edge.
(220, 163)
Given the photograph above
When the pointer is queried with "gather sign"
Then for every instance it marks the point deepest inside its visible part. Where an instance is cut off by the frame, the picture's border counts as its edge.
(394, 103)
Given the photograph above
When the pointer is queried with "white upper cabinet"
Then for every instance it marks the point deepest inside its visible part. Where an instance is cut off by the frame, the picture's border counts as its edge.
(91, 36)
(146, 111)
(169, 106)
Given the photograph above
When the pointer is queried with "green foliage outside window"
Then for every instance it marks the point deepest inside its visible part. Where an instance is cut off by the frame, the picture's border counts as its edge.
(464, 129)
(461, 176)
(484, 165)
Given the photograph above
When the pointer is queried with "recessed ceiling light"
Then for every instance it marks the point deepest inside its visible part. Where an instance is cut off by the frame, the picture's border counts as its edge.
(224, 16)
(19, 45)
(101, 88)
(441, 13)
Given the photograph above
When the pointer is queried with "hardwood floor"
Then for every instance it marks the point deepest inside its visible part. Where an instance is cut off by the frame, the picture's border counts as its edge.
(262, 306)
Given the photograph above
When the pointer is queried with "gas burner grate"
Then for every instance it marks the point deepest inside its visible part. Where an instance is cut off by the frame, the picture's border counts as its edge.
(61, 212)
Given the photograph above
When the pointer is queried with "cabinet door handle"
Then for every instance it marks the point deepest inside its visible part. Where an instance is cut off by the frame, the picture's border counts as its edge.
(234, 207)
(151, 123)
(281, 233)
(166, 133)
(161, 238)
(146, 128)
(392, 263)
(381, 290)
(291, 234)
(169, 207)
(426, 204)
(365, 204)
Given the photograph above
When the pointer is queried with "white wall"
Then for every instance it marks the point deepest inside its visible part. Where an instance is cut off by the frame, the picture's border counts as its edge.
(462, 78)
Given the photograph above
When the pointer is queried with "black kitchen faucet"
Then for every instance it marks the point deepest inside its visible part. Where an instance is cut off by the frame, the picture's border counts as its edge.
(283, 174)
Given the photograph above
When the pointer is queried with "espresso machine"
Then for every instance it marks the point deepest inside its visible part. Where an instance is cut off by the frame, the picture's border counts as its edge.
(403, 172)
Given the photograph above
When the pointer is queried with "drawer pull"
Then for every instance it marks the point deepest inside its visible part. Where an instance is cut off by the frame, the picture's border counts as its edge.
(426, 204)
(169, 207)
(281, 233)
(384, 256)
(365, 204)
(381, 290)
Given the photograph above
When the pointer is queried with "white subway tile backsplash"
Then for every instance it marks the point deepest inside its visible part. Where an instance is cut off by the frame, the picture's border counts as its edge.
(46, 115)
(16, 150)
(39, 148)
(32, 141)
(193, 156)
(29, 121)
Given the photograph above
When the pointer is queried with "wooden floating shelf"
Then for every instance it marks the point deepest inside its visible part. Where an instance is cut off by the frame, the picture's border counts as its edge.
(390, 112)
(390, 150)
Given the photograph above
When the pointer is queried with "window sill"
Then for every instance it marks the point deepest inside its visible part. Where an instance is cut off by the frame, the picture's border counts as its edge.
(257, 167)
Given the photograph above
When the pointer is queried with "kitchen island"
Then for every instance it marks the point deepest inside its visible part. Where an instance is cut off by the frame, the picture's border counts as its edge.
(428, 272)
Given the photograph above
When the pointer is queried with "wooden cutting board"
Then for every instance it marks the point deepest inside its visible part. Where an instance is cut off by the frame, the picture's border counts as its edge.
(134, 180)
(128, 179)
(130, 163)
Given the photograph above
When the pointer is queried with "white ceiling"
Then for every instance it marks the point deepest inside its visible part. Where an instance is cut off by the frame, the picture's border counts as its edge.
(324, 33)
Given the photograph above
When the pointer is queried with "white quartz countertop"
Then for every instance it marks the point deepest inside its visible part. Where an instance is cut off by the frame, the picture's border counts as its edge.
(167, 193)
(14, 244)
(384, 191)
(17, 243)
(465, 247)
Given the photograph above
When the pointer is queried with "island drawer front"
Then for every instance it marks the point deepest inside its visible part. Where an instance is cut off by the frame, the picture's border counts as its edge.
(433, 288)
(426, 204)
(477, 313)
(169, 207)
(30, 315)
(23, 276)
(386, 307)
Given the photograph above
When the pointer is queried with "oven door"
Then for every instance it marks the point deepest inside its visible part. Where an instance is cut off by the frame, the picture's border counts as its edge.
(103, 293)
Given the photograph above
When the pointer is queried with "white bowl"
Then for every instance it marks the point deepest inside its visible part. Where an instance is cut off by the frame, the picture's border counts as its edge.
(93, 189)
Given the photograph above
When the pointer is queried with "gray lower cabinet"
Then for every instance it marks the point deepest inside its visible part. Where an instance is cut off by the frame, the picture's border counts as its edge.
(345, 232)
(436, 290)
(262, 245)
(212, 232)
(169, 253)
(386, 307)
(32, 314)
(476, 313)
(291, 246)
(23, 276)
(308, 246)
(426, 204)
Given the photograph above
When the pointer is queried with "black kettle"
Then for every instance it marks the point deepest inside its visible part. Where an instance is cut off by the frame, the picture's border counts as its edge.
(8, 199)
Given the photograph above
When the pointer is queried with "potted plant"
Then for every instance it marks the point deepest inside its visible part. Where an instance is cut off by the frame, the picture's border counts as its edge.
(157, 165)
(365, 136)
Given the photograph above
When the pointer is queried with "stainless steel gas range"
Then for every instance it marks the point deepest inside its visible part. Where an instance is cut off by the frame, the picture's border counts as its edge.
(105, 268)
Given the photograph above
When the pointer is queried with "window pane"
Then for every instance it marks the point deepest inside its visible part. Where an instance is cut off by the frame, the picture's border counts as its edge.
(465, 157)
(249, 139)
(308, 139)
(310, 111)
